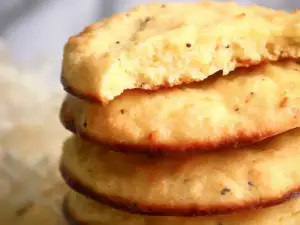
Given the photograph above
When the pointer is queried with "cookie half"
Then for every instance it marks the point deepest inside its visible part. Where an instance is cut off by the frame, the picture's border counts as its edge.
(163, 45)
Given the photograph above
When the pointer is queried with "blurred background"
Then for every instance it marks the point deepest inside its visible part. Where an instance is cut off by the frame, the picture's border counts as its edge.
(32, 36)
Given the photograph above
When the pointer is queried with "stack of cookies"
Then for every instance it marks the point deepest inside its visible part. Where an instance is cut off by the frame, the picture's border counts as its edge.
(184, 113)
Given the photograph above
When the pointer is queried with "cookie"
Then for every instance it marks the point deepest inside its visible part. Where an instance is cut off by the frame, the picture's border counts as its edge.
(261, 175)
(82, 211)
(222, 111)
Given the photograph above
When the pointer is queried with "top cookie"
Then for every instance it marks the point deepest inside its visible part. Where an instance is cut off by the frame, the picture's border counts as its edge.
(158, 45)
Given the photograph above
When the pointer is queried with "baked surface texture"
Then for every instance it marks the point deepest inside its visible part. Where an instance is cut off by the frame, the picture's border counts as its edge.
(162, 45)
(83, 211)
(222, 111)
(258, 176)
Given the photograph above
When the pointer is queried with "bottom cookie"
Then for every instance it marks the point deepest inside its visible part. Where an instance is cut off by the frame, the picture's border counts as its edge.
(80, 210)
